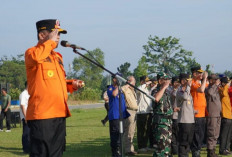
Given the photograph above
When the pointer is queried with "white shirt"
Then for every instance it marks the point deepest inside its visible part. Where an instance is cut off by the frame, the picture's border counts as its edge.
(23, 100)
(144, 103)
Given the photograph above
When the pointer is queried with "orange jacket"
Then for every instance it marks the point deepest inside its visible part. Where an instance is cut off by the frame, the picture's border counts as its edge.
(46, 82)
(199, 100)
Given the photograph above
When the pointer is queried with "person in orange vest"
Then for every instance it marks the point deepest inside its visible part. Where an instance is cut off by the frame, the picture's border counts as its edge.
(199, 84)
(47, 86)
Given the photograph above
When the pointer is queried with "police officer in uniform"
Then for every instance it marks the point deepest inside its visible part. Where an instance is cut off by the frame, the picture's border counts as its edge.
(162, 120)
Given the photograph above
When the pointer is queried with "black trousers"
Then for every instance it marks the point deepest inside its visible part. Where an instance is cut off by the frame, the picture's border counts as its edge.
(47, 137)
(114, 137)
(151, 136)
(144, 130)
(6, 114)
(225, 134)
(185, 138)
(199, 133)
(175, 141)
(26, 137)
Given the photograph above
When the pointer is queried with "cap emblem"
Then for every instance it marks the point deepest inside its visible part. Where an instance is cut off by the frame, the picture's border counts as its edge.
(57, 26)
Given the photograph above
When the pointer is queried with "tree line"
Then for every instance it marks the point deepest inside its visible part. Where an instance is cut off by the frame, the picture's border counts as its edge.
(160, 54)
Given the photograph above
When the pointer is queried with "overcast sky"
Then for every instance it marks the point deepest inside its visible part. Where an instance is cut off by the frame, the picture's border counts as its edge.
(120, 28)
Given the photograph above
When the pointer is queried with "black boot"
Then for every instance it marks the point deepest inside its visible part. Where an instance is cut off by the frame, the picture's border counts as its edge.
(103, 122)
(116, 152)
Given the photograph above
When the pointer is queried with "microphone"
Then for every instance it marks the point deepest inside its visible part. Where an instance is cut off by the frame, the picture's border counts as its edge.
(67, 44)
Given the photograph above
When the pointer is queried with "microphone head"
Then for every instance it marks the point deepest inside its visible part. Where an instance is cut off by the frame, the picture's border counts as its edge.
(64, 43)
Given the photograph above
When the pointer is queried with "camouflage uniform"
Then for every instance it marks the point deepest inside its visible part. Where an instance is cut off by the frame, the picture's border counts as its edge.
(162, 125)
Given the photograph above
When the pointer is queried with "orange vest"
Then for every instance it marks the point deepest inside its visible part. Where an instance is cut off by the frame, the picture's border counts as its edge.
(46, 82)
(225, 100)
(199, 100)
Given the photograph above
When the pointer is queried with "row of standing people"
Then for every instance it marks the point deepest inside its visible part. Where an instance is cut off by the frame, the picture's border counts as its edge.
(132, 114)
(177, 109)
(6, 113)
(137, 111)
(211, 109)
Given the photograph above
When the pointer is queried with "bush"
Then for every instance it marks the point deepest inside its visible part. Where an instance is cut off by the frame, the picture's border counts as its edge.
(86, 94)
(14, 93)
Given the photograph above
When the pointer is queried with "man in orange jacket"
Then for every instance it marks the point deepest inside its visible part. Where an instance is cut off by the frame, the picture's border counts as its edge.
(199, 84)
(47, 87)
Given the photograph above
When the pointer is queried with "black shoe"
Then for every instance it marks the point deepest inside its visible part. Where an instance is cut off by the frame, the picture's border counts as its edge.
(131, 153)
(116, 152)
(224, 152)
(103, 122)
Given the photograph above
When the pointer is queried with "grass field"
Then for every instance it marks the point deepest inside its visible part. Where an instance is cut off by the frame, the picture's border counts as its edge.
(86, 137)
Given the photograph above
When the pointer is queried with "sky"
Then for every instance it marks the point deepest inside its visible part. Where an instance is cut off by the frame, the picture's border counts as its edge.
(121, 28)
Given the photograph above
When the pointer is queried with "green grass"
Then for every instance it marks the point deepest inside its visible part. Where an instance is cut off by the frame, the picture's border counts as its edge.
(86, 137)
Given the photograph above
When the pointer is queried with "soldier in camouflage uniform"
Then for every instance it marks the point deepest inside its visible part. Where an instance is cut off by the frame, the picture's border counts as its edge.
(162, 120)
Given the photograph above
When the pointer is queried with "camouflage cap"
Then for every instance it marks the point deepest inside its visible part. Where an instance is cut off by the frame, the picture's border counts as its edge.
(163, 76)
